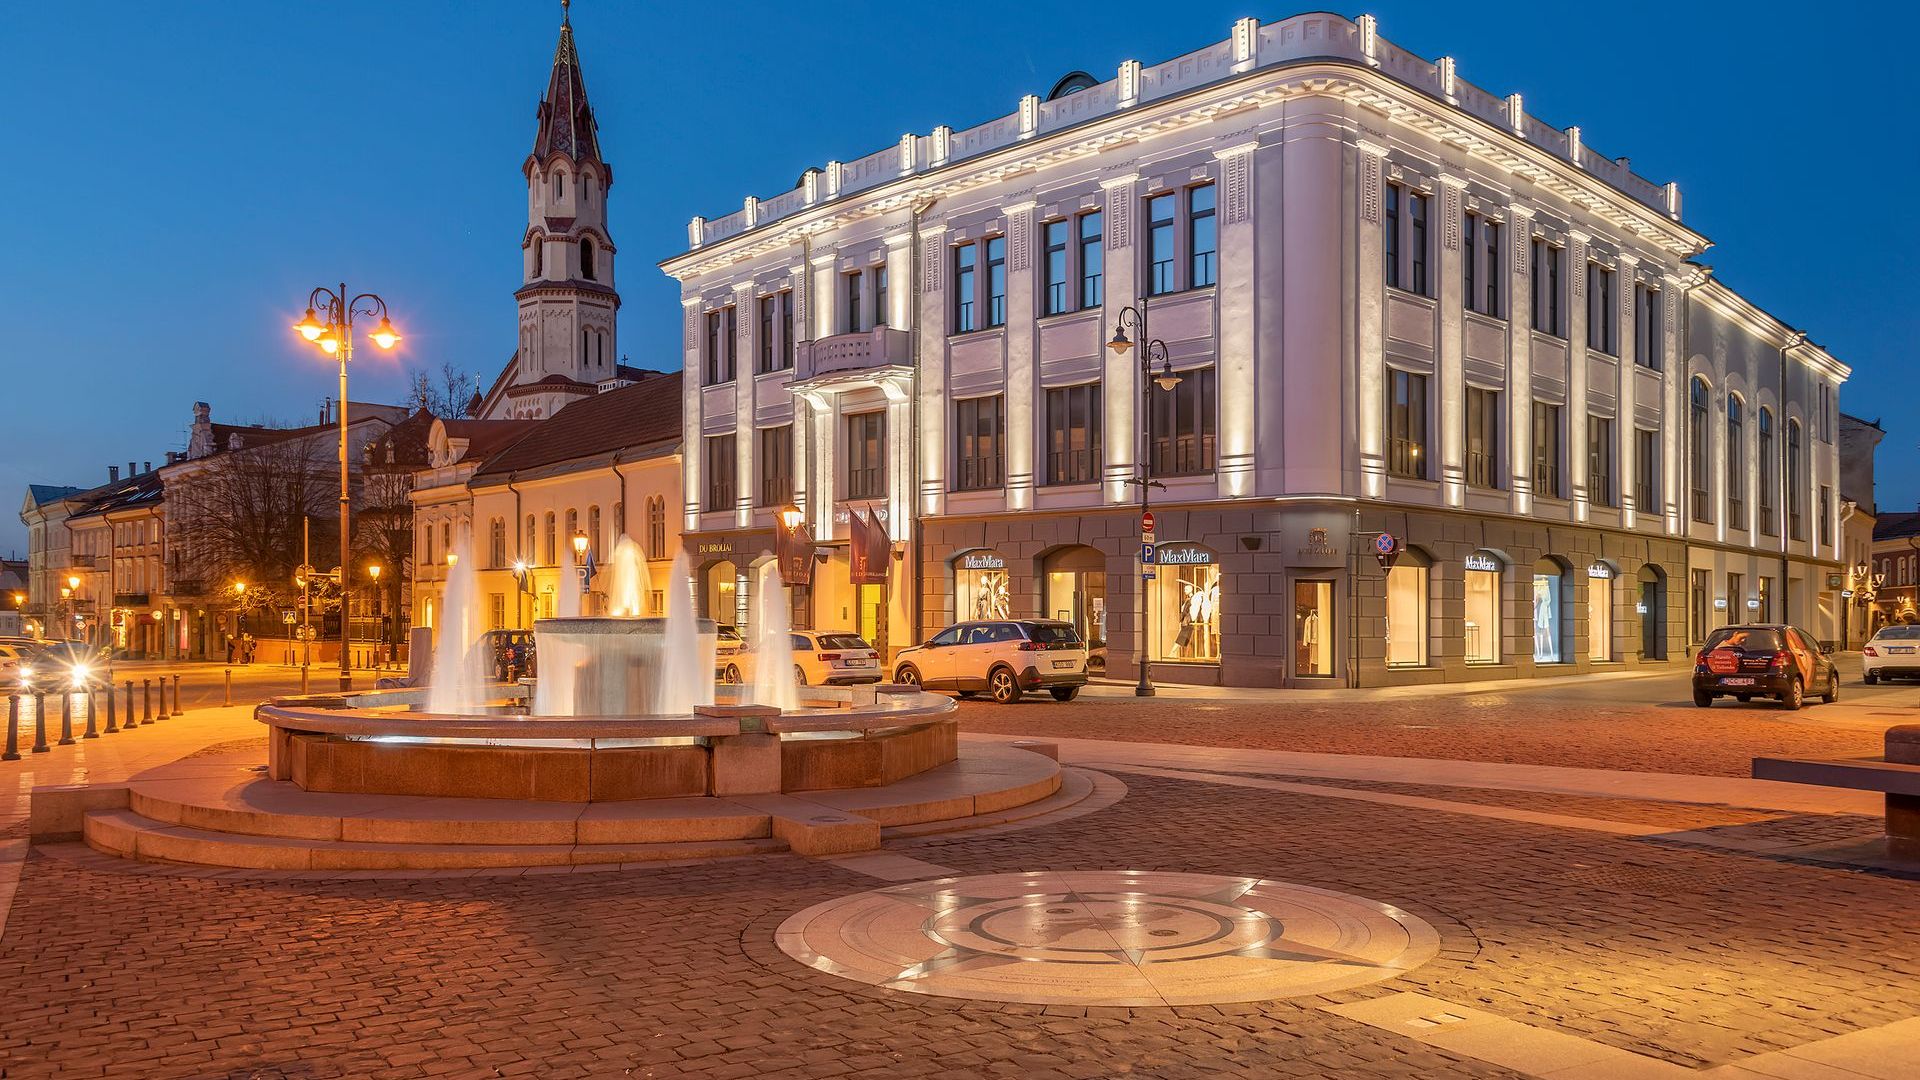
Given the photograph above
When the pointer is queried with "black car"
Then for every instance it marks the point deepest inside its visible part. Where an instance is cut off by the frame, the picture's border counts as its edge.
(1764, 660)
(509, 654)
(69, 664)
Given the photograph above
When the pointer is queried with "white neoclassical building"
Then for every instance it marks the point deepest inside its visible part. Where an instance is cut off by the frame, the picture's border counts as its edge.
(1379, 300)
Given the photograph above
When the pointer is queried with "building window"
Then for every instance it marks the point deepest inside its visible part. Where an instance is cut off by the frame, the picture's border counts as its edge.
(552, 545)
(1768, 467)
(1766, 600)
(1548, 261)
(981, 586)
(496, 611)
(1417, 242)
(1736, 598)
(1646, 470)
(866, 455)
(1188, 606)
(997, 281)
(721, 329)
(786, 329)
(1647, 334)
(657, 527)
(1825, 418)
(1203, 237)
(1602, 316)
(977, 424)
(1546, 450)
(531, 553)
(1480, 261)
(1390, 234)
(1826, 521)
(769, 347)
(1182, 435)
(1699, 449)
(1700, 587)
(1054, 267)
(1161, 277)
(1092, 236)
(1481, 629)
(774, 457)
(1600, 612)
(573, 530)
(586, 259)
(1407, 424)
(1600, 487)
(593, 531)
(1736, 461)
(720, 476)
(619, 520)
(497, 543)
(963, 277)
(1483, 438)
(1549, 585)
(1073, 434)
(851, 322)
(1796, 490)
(879, 273)
(1409, 585)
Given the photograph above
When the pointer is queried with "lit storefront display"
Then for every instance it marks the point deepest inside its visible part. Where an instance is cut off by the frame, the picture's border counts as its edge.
(1547, 584)
(1187, 604)
(1409, 585)
(981, 586)
(1482, 570)
(1313, 629)
(1600, 612)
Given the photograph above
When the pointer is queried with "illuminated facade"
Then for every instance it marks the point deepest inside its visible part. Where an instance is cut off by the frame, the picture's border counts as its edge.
(1395, 303)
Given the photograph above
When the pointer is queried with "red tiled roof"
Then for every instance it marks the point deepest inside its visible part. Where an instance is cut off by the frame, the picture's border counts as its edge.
(644, 414)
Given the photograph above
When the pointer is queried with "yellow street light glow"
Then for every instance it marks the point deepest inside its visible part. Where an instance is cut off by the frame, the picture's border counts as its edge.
(65, 592)
(385, 335)
(375, 571)
(452, 558)
(520, 566)
(791, 517)
(73, 581)
(309, 327)
(580, 543)
(240, 588)
(329, 344)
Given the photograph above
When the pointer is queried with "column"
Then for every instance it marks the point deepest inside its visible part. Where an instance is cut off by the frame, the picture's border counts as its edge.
(690, 417)
(1520, 354)
(797, 281)
(1236, 352)
(815, 413)
(899, 313)
(1576, 287)
(825, 299)
(1120, 391)
(931, 389)
(1672, 375)
(746, 361)
(1450, 356)
(1022, 342)
(1370, 348)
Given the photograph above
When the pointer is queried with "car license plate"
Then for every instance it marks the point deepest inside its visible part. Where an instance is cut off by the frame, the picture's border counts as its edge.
(1737, 680)
(860, 661)
(1901, 649)
(1061, 664)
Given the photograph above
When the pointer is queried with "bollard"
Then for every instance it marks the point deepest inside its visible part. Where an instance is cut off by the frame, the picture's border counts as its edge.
(40, 722)
(146, 701)
(177, 710)
(132, 720)
(13, 729)
(303, 679)
(230, 686)
(93, 731)
(66, 717)
(113, 714)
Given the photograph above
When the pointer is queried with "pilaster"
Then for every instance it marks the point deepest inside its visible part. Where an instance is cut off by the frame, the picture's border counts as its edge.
(931, 387)
(1370, 349)
(690, 463)
(1121, 389)
(1237, 358)
(825, 299)
(745, 363)
(1450, 365)
(1520, 356)
(1022, 343)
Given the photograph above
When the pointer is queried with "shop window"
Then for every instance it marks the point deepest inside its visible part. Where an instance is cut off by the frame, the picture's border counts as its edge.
(981, 587)
(1549, 584)
(1313, 629)
(1076, 591)
(1409, 584)
(1188, 607)
(1600, 612)
(1481, 631)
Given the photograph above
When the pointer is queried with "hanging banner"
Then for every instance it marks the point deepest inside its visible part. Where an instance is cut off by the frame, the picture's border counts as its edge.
(794, 550)
(868, 547)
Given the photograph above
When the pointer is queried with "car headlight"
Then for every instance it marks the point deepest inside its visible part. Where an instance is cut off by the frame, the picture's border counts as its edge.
(79, 672)
(26, 673)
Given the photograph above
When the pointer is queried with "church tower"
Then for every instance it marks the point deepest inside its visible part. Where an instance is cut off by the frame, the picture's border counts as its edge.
(567, 302)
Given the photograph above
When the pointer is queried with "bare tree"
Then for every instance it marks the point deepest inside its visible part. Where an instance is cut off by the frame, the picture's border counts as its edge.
(239, 517)
(447, 394)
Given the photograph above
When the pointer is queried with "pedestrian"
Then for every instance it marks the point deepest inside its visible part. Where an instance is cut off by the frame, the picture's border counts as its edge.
(231, 645)
(246, 645)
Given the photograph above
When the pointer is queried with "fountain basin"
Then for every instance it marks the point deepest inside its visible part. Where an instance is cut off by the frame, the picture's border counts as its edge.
(368, 744)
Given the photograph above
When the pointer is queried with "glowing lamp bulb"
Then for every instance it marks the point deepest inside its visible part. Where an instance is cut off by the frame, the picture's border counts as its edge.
(385, 335)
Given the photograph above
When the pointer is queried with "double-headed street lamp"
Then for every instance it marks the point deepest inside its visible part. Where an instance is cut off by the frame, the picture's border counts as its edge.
(329, 325)
(1150, 348)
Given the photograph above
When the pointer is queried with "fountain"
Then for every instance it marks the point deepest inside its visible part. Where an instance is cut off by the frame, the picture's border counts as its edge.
(459, 670)
(627, 590)
(774, 680)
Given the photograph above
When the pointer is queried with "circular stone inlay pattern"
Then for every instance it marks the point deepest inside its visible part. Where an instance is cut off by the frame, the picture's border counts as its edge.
(1117, 937)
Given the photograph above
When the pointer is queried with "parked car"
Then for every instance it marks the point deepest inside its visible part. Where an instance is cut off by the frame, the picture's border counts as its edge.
(819, 659)
(16, 665)
(509, 653)
(727, 639)
(1893, 653)
(75, 664)
(1005, 658)
(1764, 660)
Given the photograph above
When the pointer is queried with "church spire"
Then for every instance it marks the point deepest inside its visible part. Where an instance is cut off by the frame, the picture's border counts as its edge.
(566, 120)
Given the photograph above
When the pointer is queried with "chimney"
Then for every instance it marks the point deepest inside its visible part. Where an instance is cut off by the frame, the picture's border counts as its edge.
(146, 466)
(113, 474)
(130, 472)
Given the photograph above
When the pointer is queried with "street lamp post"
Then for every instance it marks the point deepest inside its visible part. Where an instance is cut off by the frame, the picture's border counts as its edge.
(379, 629)
(1150, 348)
(334, 336)
(523, 581)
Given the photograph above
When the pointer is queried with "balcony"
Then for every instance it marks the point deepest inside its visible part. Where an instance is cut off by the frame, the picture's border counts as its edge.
(846, 357)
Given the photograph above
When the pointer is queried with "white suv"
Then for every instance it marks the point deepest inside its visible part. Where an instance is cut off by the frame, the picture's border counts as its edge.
(1004, 657)
(818, 659)
(1892, 653)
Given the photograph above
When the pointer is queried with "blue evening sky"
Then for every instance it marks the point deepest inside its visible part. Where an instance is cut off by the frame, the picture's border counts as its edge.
(183, 173)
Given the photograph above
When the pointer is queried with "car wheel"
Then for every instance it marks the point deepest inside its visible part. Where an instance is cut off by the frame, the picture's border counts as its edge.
(1832, 693)
(1870, 678)
(1796, 695)
(967, 695)
(1003, 686)
(799, 674)
(1065, 693)
(1743, 698)
(1702, 699)
(907, 676)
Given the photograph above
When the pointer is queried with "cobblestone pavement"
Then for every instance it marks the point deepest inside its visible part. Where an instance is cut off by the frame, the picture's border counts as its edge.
(1519, 728)
(1693, 957)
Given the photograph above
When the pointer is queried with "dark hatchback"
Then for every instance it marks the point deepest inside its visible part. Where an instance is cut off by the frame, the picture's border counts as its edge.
(1764, 660)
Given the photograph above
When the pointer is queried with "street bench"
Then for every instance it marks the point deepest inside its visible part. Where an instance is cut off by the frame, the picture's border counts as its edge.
(1897, 775)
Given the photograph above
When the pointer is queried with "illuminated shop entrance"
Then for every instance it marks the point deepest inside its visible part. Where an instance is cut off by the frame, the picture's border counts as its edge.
(1076, 592)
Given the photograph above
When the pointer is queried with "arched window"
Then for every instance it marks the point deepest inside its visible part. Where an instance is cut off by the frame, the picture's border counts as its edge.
(497, 543)
(1699, 452)
(1409, 591)
(553, 553)
(619, 520)
(1736, 461)
(593, 531)
(539, 256)
(1600, 576)
(657, 527)
(573, 528)
(559, 186)
(1484, 572)
(1549, 610)
(530, 552)
(1796, 487)
(586, 259)
(1769, 470)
